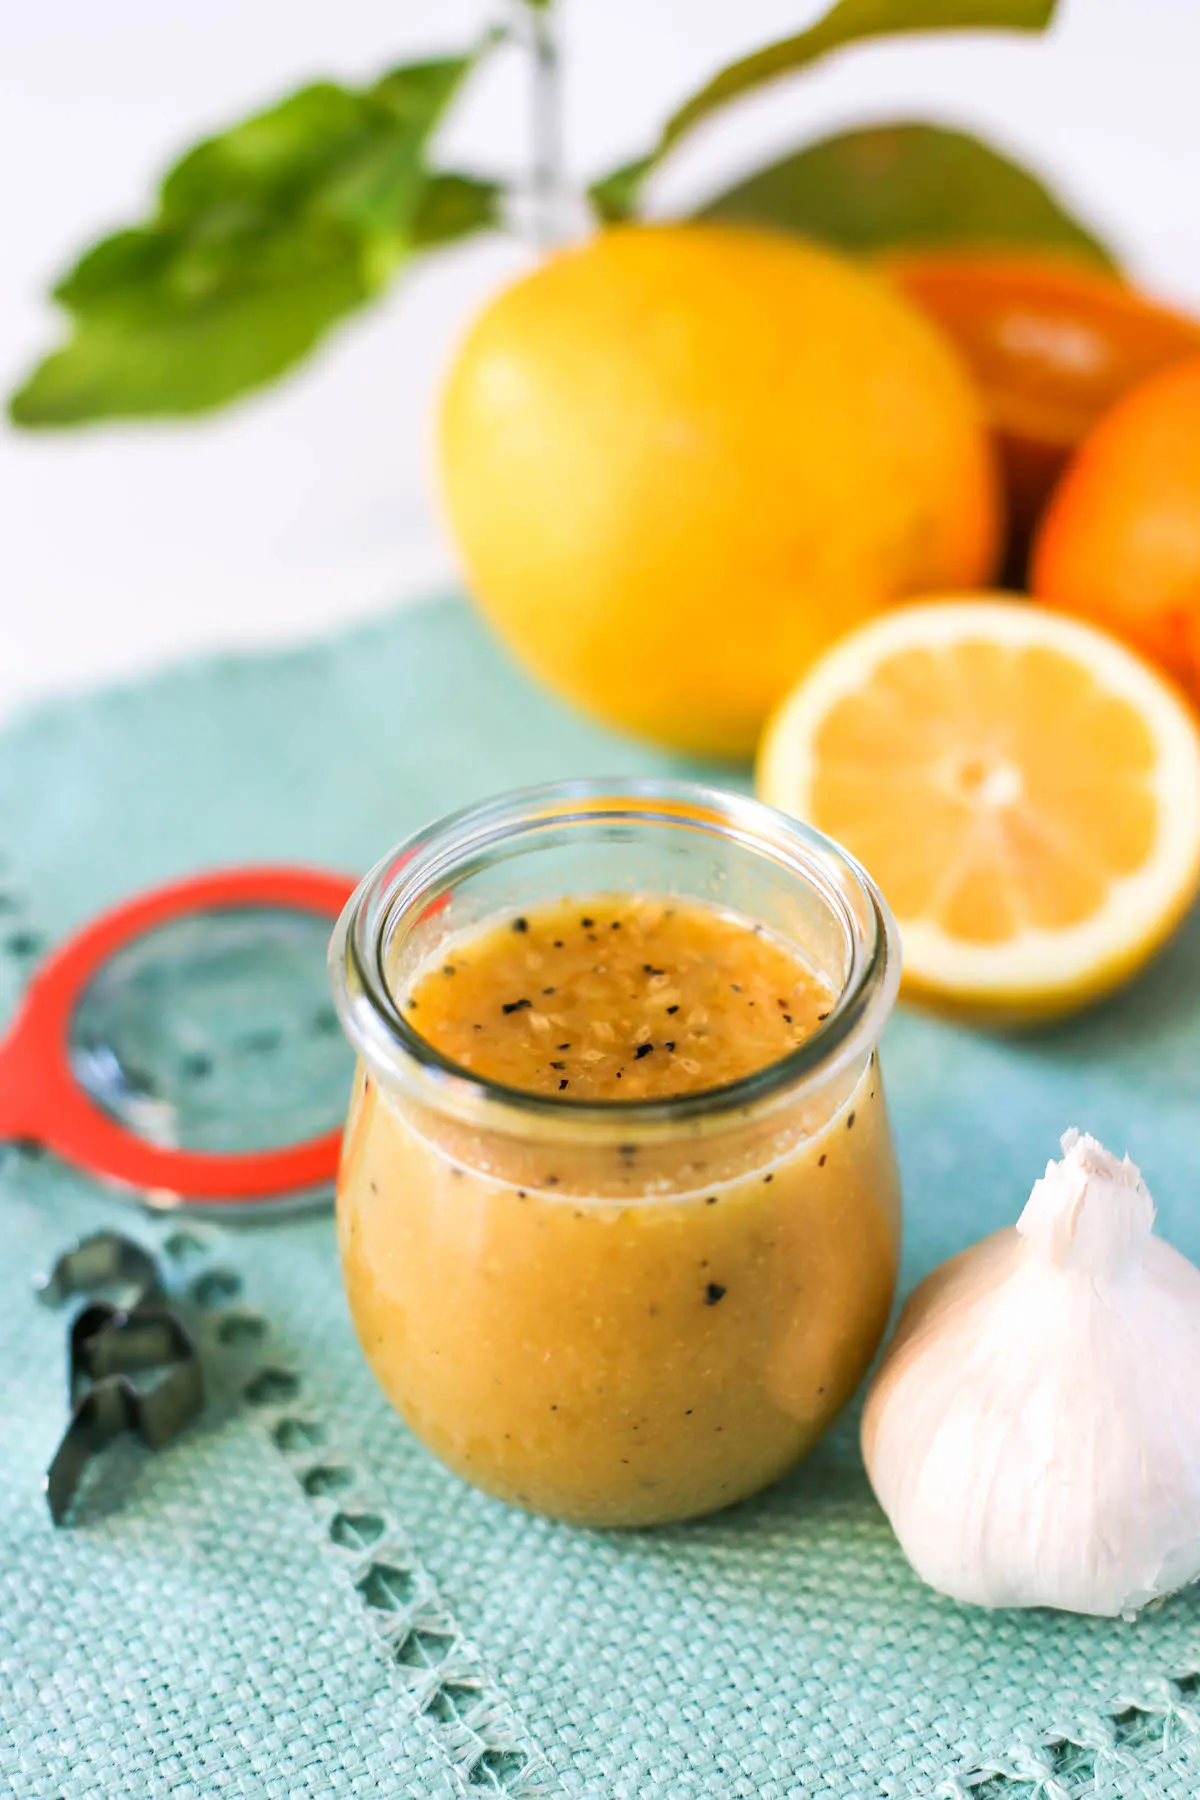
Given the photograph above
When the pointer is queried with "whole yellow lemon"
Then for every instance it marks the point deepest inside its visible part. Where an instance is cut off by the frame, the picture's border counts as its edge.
(680, 460)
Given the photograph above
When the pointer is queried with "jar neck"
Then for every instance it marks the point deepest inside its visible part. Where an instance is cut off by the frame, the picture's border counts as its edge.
(409, 903)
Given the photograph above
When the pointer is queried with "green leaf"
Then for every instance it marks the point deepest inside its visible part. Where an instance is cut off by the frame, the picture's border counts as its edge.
(191, 358)
(908, 186)
(272, 159)
(454, 206)
(847, 22)
(615, 195)
(264, 238)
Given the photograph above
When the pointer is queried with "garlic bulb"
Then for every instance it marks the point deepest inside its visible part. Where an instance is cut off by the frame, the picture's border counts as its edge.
(1033, 1432)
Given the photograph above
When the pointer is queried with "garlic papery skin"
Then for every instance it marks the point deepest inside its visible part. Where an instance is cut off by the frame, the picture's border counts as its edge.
(1033, 1432)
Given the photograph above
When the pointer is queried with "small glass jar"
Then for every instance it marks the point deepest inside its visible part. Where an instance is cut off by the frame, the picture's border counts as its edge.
(532, 1278)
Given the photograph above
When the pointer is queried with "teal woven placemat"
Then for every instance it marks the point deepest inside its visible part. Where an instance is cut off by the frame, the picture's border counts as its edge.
(295, 1599)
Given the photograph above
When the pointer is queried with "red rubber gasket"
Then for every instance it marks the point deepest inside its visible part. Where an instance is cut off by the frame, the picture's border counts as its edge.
(41, 1100)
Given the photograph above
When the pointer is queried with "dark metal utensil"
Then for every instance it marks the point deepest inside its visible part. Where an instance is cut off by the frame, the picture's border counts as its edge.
(133, 1367)
(104, 1260)
(108, 1348)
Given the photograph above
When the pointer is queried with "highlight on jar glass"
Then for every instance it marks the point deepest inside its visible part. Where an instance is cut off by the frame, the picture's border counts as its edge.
(618, 1207)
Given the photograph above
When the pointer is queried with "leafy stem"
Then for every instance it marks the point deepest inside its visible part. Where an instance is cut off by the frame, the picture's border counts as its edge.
(264, 238)
(546, 118)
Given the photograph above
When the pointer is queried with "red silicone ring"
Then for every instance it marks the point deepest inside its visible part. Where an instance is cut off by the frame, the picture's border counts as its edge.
(40, 1098)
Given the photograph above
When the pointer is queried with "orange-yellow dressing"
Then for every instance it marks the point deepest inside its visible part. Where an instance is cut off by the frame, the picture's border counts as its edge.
(624, 998)
(612, 1330)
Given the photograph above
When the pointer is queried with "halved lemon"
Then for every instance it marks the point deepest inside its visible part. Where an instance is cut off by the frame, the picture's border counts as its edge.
(1025, 791)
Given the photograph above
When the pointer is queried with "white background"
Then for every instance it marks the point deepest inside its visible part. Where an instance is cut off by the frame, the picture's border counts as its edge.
(298, 510)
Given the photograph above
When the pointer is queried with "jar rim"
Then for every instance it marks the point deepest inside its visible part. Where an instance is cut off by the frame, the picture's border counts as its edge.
(406, 881)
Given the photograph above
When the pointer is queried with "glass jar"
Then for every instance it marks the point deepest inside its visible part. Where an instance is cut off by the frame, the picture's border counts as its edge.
(532, 1277)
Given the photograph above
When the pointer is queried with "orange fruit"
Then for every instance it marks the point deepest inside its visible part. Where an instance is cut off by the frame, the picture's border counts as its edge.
(1024, 789)
(680, 460)
(1052, 345)
(1120, 543)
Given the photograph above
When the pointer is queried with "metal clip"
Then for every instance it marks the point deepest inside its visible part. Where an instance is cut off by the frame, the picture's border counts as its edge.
(109, 1347)
(104, 1260)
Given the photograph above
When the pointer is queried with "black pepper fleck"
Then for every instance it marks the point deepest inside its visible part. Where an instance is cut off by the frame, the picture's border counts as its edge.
(713, 1292)
(548, 990)
(520, 924)
(562, 1084)
(787, 1018)
(821, 1017)
(672, 1009)
(711, 1201)
(562, 1046)
(552, 1181)
(642, 1050)
(615, 926)
(735, 987)
(558, 943)
(447, 968)
(512, 1006)
(670, 1044)
(558, 1065)
(850, 1123)
(587, 923)
(820, 1162)
(768, 1178)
